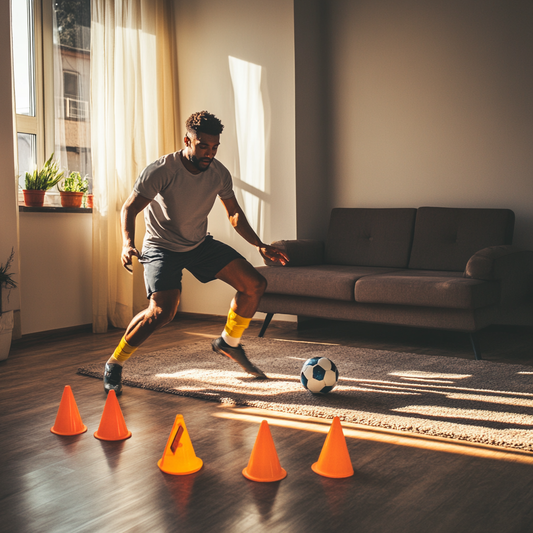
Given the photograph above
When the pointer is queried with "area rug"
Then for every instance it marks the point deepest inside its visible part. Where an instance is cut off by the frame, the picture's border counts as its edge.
(477, 401)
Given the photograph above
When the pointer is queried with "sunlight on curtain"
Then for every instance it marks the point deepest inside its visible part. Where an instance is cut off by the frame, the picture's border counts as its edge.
(134, 118)
(250, 122)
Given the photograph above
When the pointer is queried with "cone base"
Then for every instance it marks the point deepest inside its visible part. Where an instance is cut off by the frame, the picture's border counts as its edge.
(63, 434)
(315, 468)
(196, 465)
(99, 437)
(251, 477)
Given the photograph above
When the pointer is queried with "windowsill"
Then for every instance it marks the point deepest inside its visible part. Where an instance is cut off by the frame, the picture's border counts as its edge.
(52, 209)
(52, 204)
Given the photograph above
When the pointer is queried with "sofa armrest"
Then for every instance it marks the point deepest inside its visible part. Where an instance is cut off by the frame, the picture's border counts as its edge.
(498, 262)
(301, 252)
(510, 265)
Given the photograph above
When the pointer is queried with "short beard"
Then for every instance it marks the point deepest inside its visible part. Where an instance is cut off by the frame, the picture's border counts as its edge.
(194, 160)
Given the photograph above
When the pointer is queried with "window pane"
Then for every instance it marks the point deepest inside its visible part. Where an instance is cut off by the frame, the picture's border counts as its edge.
(72, 32)
(27, 148)
(71, 84)
(23, 56)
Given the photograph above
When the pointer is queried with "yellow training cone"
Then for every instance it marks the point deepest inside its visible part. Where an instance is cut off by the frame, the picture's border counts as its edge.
(334, 460)
(179, 457)
(264, 463)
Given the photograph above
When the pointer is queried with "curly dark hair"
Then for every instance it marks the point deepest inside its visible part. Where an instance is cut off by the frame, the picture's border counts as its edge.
(203, 122)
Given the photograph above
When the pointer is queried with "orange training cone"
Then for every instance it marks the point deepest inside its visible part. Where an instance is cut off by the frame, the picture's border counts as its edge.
(68, 419)
(334, 460)
(112, 424)
(264, 463)
(179, 457)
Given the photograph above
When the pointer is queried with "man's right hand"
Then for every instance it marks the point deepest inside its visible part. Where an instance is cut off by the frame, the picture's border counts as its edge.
(131, 208)
(128, 252)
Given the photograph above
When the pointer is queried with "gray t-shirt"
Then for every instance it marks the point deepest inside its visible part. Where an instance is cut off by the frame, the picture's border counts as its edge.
(176, 219)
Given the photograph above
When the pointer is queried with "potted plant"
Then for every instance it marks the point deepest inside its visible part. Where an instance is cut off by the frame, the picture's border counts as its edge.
(36, 183)
(73, 189)
(6, 317)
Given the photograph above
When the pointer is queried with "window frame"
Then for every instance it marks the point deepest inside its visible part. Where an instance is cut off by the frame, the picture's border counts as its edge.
(42, 125)
(39, 124)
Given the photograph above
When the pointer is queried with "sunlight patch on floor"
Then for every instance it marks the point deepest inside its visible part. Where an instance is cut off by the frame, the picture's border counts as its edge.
(356, 431)
(429, 380)
(428, 375)
(308, 342)
(201, 335)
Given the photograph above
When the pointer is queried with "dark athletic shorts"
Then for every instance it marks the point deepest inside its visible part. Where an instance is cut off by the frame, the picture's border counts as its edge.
(163, 268)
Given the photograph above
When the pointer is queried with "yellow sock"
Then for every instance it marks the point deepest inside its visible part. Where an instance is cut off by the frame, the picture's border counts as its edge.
(234, 328)
(124, 351)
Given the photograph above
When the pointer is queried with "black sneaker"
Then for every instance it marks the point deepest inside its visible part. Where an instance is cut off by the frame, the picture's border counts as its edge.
(237, 354)
(113, 378)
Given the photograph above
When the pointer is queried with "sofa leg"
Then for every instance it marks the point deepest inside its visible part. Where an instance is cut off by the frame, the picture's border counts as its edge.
(266, 323)
(475, 346)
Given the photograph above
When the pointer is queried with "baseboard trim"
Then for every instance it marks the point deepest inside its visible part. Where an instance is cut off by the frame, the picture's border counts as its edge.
(29, 338)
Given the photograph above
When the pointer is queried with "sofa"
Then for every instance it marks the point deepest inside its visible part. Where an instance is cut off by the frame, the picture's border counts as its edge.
(431, 267)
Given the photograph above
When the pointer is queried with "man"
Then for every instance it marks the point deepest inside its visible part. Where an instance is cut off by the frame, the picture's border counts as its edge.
(177, 193)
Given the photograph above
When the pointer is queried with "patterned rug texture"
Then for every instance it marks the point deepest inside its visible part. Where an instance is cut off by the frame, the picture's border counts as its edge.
(477, 401)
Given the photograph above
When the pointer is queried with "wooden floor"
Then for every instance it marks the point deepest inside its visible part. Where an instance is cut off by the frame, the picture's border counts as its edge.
(402, 483)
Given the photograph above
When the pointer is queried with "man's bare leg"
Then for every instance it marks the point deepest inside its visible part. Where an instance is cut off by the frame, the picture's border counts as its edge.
(161, 310)
(248, 283)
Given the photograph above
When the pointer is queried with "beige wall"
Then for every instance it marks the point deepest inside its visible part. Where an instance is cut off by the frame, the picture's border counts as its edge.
(262, 33)
(56, 270)
(433, 105)
(313, 106)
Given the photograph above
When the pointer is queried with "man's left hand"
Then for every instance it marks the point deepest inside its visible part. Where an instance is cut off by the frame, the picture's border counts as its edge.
(273, 254)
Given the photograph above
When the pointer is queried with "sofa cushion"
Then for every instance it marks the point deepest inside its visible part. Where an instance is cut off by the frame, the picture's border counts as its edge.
(446, 238)
(322, 281)
(428, 289)
(370, 237)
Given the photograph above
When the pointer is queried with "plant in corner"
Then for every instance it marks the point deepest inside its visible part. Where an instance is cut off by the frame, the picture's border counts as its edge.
(73, 189)
(36, 183)
(6, 318)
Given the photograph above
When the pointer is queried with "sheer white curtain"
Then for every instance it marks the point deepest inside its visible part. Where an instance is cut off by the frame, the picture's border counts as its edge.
(134, 121)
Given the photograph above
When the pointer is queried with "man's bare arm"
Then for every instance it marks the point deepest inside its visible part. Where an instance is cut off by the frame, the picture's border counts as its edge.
(240, 223)
(131, 208)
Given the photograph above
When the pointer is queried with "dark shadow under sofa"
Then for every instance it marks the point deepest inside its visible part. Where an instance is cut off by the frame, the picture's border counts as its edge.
(431, 267)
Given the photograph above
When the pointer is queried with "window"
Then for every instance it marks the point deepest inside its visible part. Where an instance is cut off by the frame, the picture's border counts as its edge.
(71, 84)
(28, 108)
(51, 57)
(75, 107)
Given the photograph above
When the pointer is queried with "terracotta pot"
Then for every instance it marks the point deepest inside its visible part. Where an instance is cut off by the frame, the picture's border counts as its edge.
(71, 199)
(33, 198)
(90, 200)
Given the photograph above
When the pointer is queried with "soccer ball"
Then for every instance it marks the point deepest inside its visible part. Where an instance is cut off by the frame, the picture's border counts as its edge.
(319, 375)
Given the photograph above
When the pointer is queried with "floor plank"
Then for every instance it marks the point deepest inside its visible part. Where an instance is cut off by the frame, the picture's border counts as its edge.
(80, 484)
